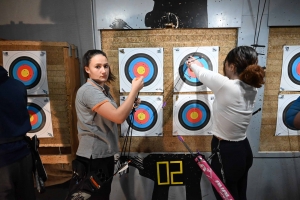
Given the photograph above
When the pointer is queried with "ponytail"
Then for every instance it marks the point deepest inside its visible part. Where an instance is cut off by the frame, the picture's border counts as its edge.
(253, 75)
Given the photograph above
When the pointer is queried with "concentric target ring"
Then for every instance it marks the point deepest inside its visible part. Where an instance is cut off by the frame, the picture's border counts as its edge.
(294, 69)
(284, 114)
(194, 115)
(187, 75)
(37, 117)
(145, 117)
(26, 70)
(141, 65)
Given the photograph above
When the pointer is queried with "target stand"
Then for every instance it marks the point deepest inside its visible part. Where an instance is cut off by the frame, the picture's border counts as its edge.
(192, 114)
(184, 79)
(148, 117)
(146, 62)
(29, 67)
(282, 127)
(40, 117)
(290, 76)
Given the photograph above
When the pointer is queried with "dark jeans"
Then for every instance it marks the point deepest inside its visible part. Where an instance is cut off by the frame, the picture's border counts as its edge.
(237, 158)
(17, 180)
(107, 167)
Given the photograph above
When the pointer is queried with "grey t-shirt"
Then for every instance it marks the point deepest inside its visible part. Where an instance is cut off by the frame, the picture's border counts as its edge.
(98, 136)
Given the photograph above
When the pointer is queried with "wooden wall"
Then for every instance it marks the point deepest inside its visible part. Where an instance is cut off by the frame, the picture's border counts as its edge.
(63, 81)
(111, 40)
(278, 37)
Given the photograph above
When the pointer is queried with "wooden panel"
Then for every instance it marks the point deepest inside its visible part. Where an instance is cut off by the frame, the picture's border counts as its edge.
(111, 40)
(278, 37)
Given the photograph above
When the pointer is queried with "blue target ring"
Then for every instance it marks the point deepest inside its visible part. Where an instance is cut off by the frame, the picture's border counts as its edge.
(197, 106)
(183, 69)
(26, 70)
(294, 69)
(147, 61)
(37, 117)
(150, 117)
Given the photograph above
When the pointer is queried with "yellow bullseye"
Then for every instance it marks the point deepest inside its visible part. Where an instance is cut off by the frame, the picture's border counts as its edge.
(25, 73)
(141, 116)
(194, 115)
(141, 70)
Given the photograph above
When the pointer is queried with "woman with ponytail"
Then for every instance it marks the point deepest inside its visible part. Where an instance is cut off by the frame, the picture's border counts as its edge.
(235, 93)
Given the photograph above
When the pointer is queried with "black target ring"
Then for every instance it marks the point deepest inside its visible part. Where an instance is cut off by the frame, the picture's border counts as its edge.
(150, 62)
(40, 121)
(32, 64)
(183, 67)
(291, 71)
(150, 122)
(202, 106)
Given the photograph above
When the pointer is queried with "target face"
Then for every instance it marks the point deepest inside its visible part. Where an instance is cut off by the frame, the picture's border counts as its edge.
(184, 79)
(40, 117)
(290, 76)
(29, 67)
(282, 127)
(192, 114)
(147, 118)
(146, 62)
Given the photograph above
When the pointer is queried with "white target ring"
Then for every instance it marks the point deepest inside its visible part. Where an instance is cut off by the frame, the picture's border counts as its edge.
(281, 128)
(148, 117)
(290, 76)
(192, 114)
(40, 117)
(28, 67)
(146, 62)
(184, 79)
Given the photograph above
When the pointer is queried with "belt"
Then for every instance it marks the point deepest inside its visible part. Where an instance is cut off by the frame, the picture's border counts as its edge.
(9, 140)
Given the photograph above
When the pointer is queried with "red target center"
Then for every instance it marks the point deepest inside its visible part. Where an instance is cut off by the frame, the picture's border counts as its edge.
(191, 73)
(141, 69)
(141, 116)
(298, 69)
(25, 73)
(194, 115)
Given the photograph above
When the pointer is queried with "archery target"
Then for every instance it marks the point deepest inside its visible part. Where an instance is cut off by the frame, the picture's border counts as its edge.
(192, 114)
(184, 79)
(147, 119)
(282, 128)
(28, 67)
(40, 117)
(146, 62)
(290, 76)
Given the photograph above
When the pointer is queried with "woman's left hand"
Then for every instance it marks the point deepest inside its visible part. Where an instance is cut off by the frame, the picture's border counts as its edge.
(137, 102)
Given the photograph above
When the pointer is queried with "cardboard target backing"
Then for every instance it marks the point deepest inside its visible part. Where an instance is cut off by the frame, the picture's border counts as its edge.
(192, 114)
(148, 117)
(28, 67)
(290, 76)
(282, 128)
(146, 62)
(40, 117)
(184, 79)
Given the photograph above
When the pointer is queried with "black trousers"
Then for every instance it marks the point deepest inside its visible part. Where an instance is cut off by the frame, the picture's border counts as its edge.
(237, 158)
(107, 167)
(17, 180)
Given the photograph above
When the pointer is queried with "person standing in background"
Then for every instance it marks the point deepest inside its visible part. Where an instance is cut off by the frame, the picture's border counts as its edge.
(15, 156)
(98, 116)
(235, 94)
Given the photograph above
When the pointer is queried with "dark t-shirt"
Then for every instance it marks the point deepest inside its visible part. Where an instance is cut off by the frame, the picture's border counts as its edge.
(14, 118)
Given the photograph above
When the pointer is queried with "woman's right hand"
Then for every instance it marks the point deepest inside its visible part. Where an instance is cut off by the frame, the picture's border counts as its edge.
(137, 83)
